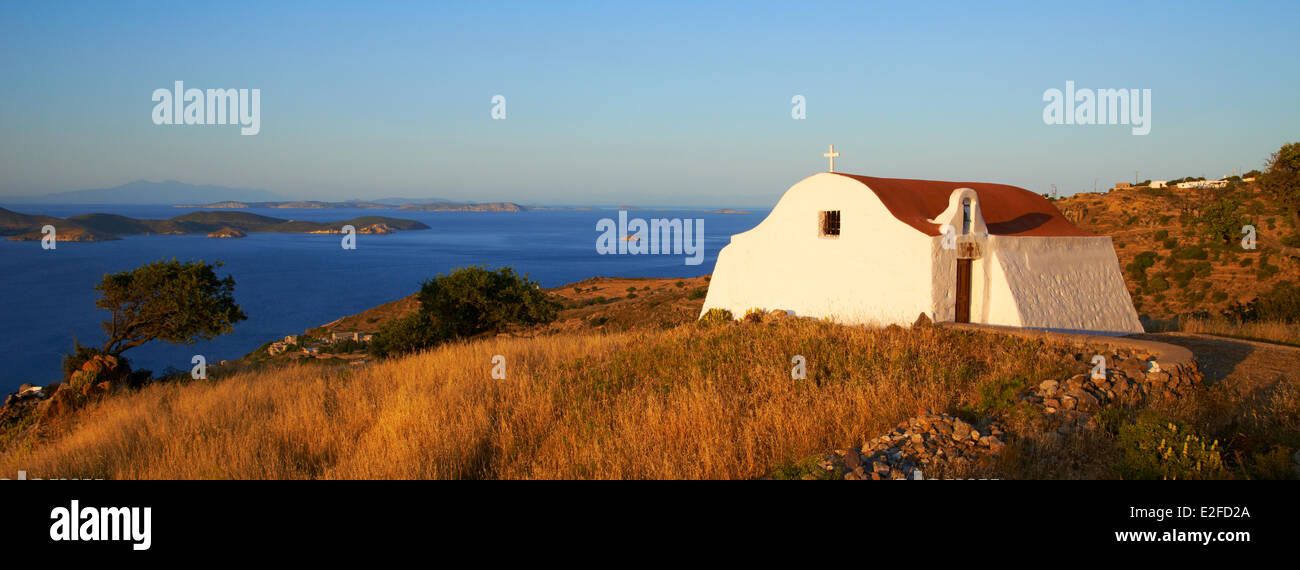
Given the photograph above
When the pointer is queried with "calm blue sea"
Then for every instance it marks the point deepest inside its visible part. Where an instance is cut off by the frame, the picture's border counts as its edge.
(286, 283)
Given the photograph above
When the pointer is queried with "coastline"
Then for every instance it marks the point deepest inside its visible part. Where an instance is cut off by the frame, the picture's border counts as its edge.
(606, 304)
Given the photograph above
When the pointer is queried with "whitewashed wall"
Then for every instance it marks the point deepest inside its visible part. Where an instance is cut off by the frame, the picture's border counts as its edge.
(882, 271)
(876, 272)
(1065, 283)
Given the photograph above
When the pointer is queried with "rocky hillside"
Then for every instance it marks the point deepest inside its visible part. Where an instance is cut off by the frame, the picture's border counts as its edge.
(1172, 265)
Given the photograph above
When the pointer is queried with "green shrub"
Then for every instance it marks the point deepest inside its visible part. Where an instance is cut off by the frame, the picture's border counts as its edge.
(1193, 252)
(1157, 284)
(1266, 270)
(1221, 219)
(79, 380)
(1138, 269)
(808, 468)
(473, 300)
(466, 302)
(1274, 464)
(715, 316)
(995, 396)
(1111, 419)
(1162, 235)
(1281, 303)
(405, 335)
(1155, 448)
(1136, 272)
(697, 293)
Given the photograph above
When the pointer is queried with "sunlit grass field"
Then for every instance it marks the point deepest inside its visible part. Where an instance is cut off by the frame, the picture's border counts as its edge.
(689, 402)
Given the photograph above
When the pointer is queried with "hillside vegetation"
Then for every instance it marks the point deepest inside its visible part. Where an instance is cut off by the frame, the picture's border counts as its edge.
(1182, 249)
(693, 401)
(1218, 260)
(689, 402)
(1172, 265)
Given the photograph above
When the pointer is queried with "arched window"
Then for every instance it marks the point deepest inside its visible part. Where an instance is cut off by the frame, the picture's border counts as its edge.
(965, 216)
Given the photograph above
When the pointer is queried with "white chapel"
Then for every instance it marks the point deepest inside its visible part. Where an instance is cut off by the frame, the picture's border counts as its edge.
(865, 250)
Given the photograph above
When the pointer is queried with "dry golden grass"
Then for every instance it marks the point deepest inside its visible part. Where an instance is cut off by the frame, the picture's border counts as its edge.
(1272, 331)
(683, 403)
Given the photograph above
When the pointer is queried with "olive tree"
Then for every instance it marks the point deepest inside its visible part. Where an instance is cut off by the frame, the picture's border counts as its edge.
(171, 301)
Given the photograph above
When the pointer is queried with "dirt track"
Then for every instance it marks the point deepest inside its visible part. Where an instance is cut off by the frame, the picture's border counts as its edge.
(1242, 362)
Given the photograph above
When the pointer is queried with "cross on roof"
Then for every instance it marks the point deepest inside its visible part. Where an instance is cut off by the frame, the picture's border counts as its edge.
(831, 155)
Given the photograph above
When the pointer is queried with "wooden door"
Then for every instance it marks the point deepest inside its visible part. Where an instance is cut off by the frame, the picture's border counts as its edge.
(963, 291)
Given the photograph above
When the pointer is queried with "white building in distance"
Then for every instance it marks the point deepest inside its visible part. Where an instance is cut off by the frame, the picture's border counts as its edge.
(864, 250)
(1203, 184)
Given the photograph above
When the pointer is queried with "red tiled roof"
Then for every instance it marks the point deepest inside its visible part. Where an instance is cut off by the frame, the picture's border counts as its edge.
(1008, 210)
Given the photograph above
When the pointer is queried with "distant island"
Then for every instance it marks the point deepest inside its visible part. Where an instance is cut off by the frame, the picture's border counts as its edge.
(103, 227)
(210, 197)
(438, 206)
(146, 192)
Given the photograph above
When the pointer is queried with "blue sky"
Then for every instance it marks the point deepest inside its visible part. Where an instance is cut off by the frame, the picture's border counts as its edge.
(645, 103)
